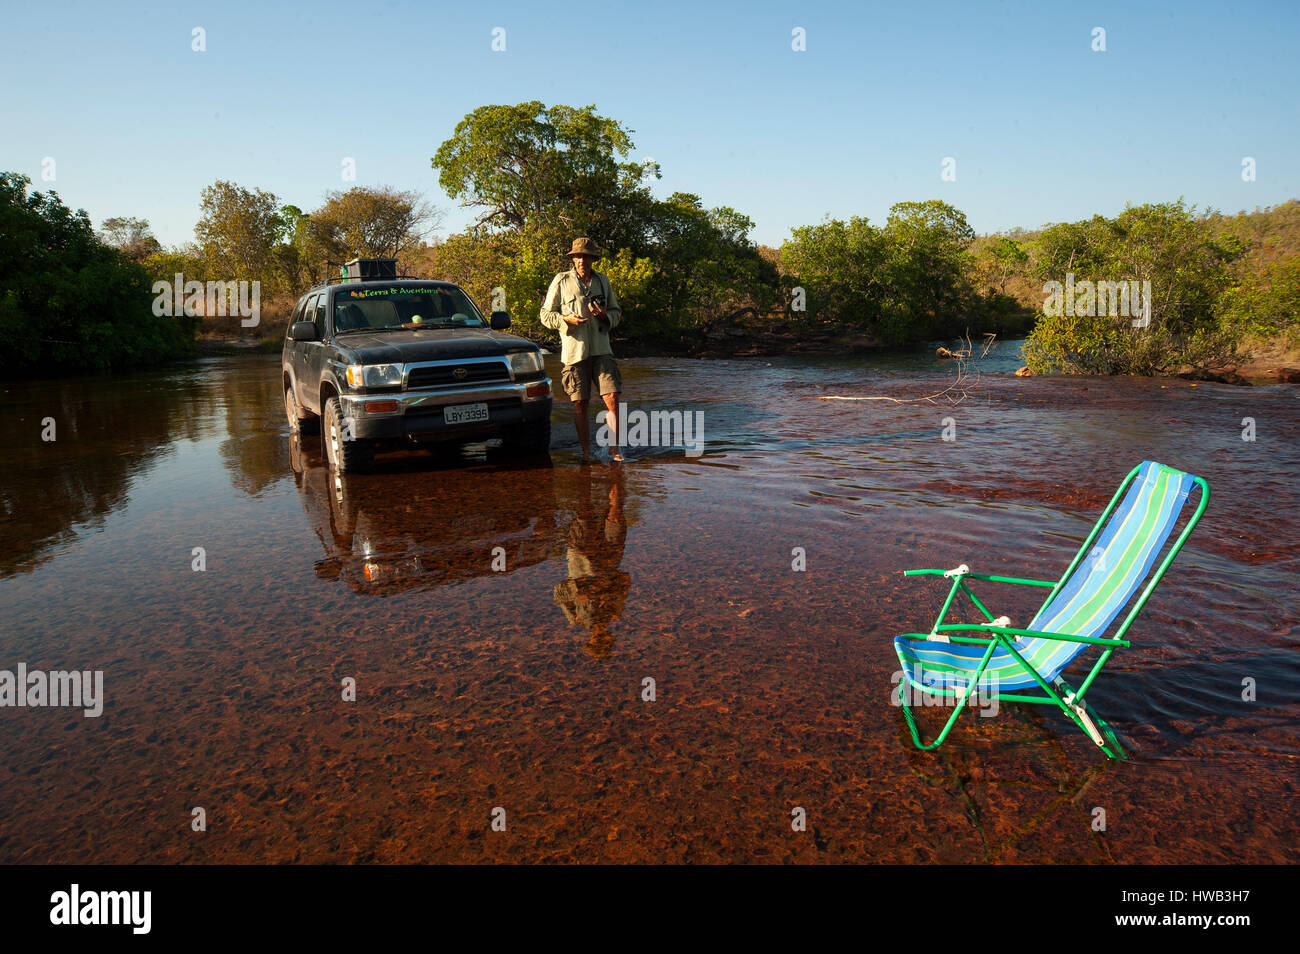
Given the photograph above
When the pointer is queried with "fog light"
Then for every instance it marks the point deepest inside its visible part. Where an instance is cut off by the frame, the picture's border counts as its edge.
(380, 407)
(541, 389)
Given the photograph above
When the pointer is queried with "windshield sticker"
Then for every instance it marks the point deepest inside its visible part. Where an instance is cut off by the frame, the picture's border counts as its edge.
(390, 292)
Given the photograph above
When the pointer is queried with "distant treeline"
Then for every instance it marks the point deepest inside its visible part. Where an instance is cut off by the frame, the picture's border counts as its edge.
(539, 177)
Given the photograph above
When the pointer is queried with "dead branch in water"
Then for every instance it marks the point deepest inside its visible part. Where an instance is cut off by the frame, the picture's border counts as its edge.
(967, 379)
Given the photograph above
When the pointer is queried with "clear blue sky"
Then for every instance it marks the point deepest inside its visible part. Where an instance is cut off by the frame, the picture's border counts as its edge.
(1043, 129)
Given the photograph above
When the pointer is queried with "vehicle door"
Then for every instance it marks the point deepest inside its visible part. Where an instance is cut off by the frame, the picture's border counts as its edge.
(294, 358)
(313, 355)
(308, 387)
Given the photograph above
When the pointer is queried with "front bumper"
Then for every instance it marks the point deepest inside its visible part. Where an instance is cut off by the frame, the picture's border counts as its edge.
(419, 414)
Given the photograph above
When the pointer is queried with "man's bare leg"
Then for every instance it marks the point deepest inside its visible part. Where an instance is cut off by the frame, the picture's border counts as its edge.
(584, 430)
(611, 419)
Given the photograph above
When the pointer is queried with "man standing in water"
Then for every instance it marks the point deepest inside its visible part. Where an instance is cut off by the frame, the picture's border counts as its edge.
(581, 306)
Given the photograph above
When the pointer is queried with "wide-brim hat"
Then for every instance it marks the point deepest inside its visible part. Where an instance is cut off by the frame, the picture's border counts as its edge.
(585, 247)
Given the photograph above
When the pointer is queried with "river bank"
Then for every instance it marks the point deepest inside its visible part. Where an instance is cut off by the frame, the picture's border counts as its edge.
(1266, 363)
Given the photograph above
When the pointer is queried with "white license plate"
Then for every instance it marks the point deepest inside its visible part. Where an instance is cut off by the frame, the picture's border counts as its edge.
(465, 413)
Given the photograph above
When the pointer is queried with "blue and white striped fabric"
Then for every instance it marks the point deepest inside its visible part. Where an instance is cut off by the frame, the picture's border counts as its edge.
(1101, 586)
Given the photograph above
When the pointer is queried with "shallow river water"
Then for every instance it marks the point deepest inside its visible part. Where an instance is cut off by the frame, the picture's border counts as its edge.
(501, 622)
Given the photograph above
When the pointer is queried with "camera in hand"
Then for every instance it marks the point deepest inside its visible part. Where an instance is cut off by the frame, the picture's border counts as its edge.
(597, 299)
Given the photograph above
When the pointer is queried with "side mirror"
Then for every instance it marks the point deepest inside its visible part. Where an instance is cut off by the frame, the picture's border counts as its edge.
(303, 331)
(500, 320)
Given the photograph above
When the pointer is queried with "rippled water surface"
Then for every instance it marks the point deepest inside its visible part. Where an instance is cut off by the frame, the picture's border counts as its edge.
(500, 620)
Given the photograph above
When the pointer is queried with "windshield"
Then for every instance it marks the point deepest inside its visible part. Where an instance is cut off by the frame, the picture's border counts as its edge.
(403, 306)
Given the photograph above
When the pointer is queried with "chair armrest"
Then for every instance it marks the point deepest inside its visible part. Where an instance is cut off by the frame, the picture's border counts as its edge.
(1012, 631)
(1019, 581)
(983, 576)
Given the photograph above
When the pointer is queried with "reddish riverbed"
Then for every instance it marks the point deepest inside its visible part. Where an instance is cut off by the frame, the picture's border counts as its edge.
(522, 689)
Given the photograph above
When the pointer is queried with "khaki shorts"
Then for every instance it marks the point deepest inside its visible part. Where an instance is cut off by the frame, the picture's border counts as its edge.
(577, 378)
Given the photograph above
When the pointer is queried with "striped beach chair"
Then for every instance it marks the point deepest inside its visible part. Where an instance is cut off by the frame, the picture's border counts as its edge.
(954, 663)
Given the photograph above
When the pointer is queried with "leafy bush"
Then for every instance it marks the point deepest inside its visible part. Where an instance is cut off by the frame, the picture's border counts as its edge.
(1267, 305)
(68, 302)
(1188, 268)
(907, 281)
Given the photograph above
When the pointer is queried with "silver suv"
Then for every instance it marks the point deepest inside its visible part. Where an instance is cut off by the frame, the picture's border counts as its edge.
(409, 360)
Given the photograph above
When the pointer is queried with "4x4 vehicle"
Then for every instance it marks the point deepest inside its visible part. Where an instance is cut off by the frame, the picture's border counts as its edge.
(401, 360)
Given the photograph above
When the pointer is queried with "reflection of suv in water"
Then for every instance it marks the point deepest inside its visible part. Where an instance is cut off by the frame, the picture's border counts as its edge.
(388, 359)
(408, 538)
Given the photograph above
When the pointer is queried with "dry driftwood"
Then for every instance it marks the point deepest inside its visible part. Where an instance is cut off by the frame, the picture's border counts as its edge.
(964, 382)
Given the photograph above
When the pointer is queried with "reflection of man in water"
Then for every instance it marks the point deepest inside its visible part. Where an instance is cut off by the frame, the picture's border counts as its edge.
(594, 593)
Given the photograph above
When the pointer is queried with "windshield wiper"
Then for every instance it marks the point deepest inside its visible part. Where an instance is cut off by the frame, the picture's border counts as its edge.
(355, 331)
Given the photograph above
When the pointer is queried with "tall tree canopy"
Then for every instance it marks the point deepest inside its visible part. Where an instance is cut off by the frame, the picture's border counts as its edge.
(526, 162)
(238, 231)
(378, 222)
(542, 175)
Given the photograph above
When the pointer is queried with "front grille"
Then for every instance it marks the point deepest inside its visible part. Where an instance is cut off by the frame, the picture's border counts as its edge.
(443, 375)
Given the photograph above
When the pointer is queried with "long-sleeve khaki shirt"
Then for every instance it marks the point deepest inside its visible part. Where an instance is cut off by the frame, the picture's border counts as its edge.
(565, 297)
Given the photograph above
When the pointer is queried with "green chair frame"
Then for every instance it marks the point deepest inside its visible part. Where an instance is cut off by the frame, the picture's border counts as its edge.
(1059, 693)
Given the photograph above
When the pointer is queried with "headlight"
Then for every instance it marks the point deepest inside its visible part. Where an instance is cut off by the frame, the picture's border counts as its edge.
(525, 362)
(375, 375)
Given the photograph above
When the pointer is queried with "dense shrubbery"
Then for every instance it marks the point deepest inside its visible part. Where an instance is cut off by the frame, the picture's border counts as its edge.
(1217, 282)
(1265, 303)
(67, 301)
(1188, 268)
(540, 176)
(907, 281)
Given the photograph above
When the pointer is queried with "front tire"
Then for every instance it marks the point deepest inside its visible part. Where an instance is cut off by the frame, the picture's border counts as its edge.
(299, 421)
(346, 456)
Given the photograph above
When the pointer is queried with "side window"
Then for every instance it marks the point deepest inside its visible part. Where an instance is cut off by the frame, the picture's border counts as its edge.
(297, 312)
(307, 312)
(321, 302)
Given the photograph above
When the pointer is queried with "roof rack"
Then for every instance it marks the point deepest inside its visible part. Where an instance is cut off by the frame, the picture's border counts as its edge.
(370, 270)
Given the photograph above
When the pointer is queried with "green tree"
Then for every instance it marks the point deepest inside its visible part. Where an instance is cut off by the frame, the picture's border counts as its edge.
(705, 264)
(558, 168)
(1189, 268)
(926, 267)
(904, 282)
(378, 222)
(69, 302)
(997, 260)
(541, 176)
(522, 265)
(238, 231)
(839, 266)
(166, 265)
